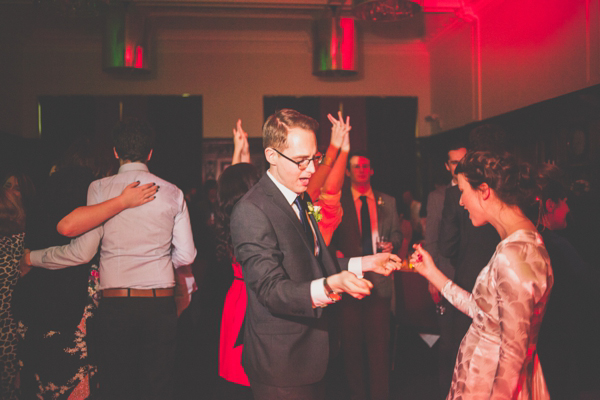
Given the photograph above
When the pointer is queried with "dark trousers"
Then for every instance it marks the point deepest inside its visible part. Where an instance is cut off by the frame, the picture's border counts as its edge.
(366, 330)
(447, 349)
(136, 339)
(315, 391)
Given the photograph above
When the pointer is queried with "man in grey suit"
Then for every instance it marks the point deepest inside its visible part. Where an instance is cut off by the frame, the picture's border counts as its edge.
(435, 205)
(370, 220)
(289, 275)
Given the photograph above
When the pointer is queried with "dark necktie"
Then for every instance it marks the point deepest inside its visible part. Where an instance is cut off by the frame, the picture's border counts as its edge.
(304, 218)
(365, 219)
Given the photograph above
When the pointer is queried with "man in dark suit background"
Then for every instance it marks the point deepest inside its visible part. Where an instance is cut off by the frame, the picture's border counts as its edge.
(370, 220)
(289, 275)
(435, 205)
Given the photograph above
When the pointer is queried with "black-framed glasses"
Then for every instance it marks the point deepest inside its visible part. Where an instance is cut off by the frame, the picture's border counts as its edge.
(303, 164)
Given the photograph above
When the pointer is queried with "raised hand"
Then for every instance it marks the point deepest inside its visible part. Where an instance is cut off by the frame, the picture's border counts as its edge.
(381, 263)
(339, 129)
(347, 282)
(346, 142)
(241, 148)
(135, 195)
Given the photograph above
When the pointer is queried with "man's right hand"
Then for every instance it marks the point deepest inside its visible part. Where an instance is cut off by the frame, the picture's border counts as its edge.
(347, 282)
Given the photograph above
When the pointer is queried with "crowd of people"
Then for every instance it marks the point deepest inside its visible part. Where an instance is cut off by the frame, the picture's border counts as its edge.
(96, 268)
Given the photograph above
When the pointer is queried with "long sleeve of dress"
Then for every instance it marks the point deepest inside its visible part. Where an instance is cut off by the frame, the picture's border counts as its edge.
(460, 298)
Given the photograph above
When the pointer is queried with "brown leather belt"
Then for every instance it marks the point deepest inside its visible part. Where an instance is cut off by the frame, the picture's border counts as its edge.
(128, 292)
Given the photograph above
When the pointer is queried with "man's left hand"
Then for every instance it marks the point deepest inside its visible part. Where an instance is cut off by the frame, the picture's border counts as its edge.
(381, 263)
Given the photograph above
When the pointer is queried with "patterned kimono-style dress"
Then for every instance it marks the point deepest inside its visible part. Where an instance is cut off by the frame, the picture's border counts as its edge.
(11, 251)
(497, 358)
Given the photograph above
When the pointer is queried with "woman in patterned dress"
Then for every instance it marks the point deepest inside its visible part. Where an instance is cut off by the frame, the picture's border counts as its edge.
(497, 358)
(12, 234)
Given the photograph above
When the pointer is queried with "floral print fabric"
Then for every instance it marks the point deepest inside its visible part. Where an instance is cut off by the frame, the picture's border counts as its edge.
(497, 358)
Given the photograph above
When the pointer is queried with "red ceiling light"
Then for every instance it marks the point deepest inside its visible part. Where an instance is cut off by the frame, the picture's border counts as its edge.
(126, 39)
(334, 46)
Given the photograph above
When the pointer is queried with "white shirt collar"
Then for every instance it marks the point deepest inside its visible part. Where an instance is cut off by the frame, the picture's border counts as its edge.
(356, 194)
(133, 166)
(289, 195)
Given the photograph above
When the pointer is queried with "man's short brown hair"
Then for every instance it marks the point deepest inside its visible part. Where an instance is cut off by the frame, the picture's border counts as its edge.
(277, 126)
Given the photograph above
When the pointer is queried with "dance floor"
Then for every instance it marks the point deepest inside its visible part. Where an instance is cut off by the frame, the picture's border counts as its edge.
(414, 375)
(413, 378)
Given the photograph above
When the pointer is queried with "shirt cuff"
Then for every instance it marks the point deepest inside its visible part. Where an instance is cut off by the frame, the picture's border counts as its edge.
(317, 293)
(355, 266)
(35, 257)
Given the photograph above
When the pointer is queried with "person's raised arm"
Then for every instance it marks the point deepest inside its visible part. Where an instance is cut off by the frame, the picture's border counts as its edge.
(85, 218)
(339, 129)
(457, 296)
(241, 147)
(335, 179)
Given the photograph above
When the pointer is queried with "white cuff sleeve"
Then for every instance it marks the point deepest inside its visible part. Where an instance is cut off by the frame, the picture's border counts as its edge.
(355, 266)
(317, 293)
(36, 257)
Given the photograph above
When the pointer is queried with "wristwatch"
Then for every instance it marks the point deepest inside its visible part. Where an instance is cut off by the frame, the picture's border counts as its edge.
(331, 295)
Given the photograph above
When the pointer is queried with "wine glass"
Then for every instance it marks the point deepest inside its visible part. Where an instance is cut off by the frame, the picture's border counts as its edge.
(380, 243)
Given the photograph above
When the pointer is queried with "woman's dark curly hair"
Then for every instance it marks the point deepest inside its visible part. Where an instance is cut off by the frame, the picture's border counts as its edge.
(233, 184)
(514, 182)
(12, 214)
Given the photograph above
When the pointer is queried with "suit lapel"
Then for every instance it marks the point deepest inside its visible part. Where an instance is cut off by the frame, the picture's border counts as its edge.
(279, 200)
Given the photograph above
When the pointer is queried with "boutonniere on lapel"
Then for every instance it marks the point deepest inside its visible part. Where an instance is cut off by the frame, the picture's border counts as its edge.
(380, 201)
(315, 211)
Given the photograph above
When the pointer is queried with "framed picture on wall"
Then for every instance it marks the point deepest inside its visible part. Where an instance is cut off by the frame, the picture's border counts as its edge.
(217, 153)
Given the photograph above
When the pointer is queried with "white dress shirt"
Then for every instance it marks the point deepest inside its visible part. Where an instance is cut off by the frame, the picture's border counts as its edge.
(317, 289)
(140, 246)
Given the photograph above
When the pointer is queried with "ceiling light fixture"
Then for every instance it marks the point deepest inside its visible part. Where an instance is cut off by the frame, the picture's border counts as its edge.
(384, 10)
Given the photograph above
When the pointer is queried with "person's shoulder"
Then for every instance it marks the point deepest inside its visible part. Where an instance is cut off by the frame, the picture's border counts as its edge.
(521, 246)
(437, 194)
(452, 190)
(102, 182)
(254, 196)
(384, 196)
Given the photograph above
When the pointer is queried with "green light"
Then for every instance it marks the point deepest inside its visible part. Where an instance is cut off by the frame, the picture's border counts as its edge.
(39, 119)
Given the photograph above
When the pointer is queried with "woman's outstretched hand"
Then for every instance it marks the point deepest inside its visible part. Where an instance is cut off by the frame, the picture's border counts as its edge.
(421, 260)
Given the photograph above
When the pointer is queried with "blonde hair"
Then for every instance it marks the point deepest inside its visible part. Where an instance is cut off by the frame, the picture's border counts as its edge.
(277, 126)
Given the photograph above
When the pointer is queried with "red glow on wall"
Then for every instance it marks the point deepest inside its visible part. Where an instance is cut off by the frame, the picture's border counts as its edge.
(347, 47)
(139, 57)
(333, 48)
(128, 56)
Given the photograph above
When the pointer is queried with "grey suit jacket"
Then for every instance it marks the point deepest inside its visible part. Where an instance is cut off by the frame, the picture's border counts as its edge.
(347, 238)
(435, 205)
(286, 340)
